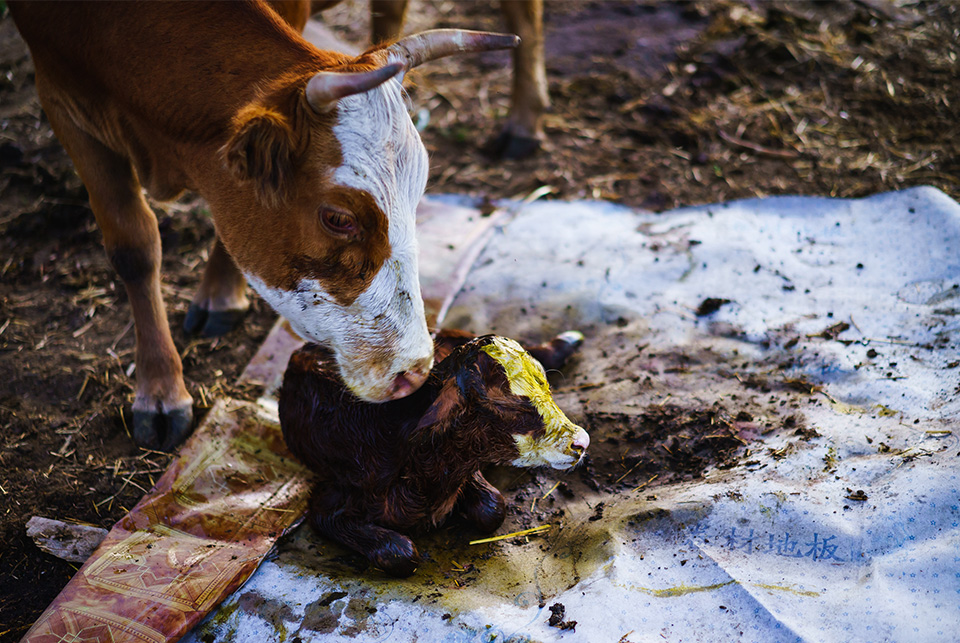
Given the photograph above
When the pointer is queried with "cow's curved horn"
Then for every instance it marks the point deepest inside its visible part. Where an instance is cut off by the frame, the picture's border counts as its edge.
(327, 87)
(437, 43)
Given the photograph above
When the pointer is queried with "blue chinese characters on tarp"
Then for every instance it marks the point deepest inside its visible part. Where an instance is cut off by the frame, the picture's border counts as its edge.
(816, 546)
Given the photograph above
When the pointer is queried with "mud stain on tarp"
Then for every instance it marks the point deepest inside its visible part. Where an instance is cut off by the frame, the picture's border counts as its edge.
(323, 615)
(274, 612)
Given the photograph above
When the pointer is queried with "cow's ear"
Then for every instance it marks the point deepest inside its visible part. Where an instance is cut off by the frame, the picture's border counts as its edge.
(261, 150)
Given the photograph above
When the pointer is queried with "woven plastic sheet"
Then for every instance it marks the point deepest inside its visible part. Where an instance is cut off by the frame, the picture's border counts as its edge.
(830, 325)
(190, 542)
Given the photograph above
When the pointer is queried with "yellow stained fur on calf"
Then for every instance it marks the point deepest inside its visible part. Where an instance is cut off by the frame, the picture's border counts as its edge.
(528, 379)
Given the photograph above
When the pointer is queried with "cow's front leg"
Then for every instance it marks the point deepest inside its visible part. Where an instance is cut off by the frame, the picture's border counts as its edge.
(162, 408)
(482, 504)
(523, 132)
(221, 301)
(386, 19)
(332, 515)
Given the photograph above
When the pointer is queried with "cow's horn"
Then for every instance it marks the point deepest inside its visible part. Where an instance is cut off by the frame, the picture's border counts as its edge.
(437, 43)
(327, 87)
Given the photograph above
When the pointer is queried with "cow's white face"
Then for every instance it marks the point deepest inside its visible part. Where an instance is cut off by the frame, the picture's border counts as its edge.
(318, 206)
(352, 283)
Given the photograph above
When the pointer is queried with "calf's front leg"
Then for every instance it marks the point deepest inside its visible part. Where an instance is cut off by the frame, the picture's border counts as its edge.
(482, 504)
(162, 408)
(331, 513)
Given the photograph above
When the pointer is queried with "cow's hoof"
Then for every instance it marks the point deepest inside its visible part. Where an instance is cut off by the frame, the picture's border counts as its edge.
(398, 557)
(162, 431)
(509, 145)
(211, 323)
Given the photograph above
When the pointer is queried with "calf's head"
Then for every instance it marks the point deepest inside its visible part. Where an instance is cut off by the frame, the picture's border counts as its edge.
(335, 168)
(496, 389)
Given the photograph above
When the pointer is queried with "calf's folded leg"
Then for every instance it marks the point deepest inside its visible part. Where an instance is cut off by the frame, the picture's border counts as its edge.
(554, 354)
(330, 514)
(482, 504)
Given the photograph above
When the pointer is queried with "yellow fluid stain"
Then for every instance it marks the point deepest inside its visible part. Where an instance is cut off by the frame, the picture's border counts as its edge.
(846, 409)
(224, 614)
(783, 588)
(683, 590)
(457, 578)
(885, 411)
(208, 630)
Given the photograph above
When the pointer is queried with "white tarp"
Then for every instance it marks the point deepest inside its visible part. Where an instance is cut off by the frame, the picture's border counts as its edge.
(848, 535)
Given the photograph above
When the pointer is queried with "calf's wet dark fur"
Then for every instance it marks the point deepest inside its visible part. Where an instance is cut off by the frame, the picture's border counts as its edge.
(403, 465)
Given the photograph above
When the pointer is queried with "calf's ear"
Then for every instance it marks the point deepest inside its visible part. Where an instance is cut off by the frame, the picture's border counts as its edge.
(470, 380)
(439, 415)
(261, 151)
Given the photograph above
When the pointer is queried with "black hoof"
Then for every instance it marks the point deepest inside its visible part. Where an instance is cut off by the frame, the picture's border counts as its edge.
(162, 431)
(398, 557)
(555, 354)
(195, 319)
(486, 513)
(512, 146)
(566, 344)
(211, 324)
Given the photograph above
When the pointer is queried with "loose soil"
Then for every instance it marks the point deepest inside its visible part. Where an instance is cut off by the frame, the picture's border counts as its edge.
(654, 105)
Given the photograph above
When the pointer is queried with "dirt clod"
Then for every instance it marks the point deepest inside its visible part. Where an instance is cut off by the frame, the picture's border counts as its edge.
(710, 305)
(557, 611)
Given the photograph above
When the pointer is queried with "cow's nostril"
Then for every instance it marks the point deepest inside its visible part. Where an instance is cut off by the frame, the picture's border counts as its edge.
(405, 383)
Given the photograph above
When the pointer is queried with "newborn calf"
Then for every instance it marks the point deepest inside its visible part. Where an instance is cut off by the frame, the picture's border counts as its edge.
(388, 468)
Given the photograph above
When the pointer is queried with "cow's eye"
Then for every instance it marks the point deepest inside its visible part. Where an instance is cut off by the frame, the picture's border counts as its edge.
(340, 223)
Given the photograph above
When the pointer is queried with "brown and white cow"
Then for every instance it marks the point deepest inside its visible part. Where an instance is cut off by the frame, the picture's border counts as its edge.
(308, 159)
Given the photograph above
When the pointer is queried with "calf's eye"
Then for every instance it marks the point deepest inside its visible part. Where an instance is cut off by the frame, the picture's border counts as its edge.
(340, 223)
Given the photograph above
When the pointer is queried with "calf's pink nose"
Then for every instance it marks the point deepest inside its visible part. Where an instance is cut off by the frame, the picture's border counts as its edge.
(406, 383)
(580, 442)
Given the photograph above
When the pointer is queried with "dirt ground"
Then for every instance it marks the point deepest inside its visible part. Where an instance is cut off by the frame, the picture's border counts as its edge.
(654, 105)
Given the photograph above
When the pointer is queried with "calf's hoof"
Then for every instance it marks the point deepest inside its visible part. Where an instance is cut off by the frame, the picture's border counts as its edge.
(487, 512)
(212, 323)
(398, 556)
(566, 344)
(162, 430)
(554, 354)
